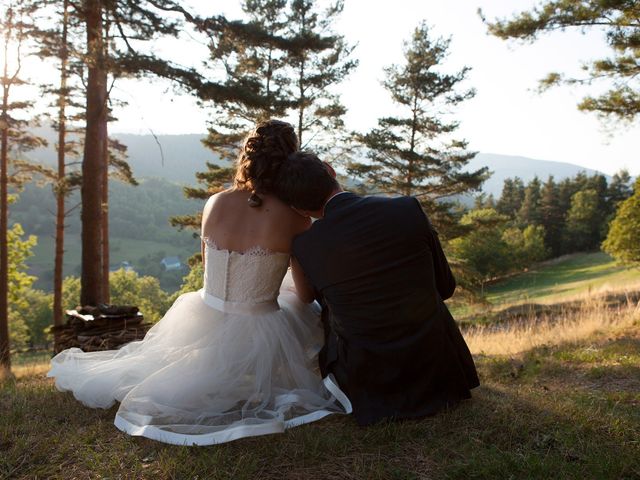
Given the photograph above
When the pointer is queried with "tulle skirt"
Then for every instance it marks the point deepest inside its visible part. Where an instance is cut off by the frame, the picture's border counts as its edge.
(201, 376)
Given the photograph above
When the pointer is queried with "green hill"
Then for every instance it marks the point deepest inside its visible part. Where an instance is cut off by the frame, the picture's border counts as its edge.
(563, 279)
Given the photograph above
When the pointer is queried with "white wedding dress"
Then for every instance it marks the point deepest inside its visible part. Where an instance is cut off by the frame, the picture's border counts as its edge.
(236, 359)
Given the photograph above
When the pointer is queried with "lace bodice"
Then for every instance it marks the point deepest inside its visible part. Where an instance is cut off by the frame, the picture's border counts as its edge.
(252, 277)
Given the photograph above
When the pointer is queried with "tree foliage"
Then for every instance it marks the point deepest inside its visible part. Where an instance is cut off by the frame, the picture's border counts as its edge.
(414, 153)
(127, 288)
(620, 19)
(623, 240)
(282, 60)
(318, 59)
(574, 212)
(19, 282)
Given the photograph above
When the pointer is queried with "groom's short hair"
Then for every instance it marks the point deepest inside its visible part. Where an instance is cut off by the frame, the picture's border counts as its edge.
(305, 182)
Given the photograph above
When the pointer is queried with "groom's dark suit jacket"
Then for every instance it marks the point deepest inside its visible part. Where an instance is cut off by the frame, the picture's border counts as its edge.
(381, 277)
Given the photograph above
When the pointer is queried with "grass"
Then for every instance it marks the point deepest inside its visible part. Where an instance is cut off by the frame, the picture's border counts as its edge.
(561, 407)
(563, 278)
(552, 287)
(560, 398)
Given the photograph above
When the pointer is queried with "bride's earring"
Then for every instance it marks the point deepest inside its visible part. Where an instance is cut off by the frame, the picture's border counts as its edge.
(254, 200)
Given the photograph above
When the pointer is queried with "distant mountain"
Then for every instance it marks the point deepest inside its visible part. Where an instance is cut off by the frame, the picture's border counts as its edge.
(171, 157)
(505, 166)
(178, 157)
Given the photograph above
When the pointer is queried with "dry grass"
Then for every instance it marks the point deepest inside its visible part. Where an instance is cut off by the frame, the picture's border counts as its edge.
(30, 370)
(569, 410)
(560, 398)
(536, 331)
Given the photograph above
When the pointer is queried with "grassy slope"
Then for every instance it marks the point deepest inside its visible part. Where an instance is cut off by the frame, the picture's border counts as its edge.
(570, 411)
(558, 280)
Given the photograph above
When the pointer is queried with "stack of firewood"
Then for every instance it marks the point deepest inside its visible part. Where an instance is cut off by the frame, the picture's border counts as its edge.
(105, 327)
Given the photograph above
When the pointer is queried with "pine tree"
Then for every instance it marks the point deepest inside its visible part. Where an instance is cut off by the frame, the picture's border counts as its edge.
(623, 240)
(252, 55)
(583, 230)
(57, 43)
(618, 19)
(551, 216)
(619, 190)
(529, 213)
(13, 139)
(511, 197)
(319, 59)
(414, 154)
(214, 180)
(135, 25)
(283, 60)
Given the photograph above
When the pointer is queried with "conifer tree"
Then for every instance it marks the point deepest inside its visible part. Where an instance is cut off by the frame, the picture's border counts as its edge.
(252, 55)
(135, 25)
(283, 61)
(511, 197)
(413, 153)
(529, 213)
(14, 138)
(551, 216)
(319, 59)
(583, 230)
(618, 19)
(623, 240)
(214, 180)
(58, 42)
(619, 189)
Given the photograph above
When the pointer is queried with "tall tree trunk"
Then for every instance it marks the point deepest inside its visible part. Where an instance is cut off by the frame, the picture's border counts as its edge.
(106, 294)
(93, 161)
(301, 107)
(105, 220)
(5, 358)
(61, 191)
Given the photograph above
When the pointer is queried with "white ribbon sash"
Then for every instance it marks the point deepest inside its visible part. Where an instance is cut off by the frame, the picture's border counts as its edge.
(241, 308)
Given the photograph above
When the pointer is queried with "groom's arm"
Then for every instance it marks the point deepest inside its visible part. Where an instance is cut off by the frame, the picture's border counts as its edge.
(445, 281)
(304, 290)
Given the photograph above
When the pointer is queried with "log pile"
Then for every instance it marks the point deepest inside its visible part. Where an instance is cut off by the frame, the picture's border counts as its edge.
(105, 327)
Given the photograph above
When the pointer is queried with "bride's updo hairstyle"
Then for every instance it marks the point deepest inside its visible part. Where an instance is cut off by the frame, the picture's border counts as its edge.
(264, 151)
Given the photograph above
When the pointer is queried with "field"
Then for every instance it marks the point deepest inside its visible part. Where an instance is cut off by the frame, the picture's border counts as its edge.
(552, 286)
(560, 398)
(563, 278)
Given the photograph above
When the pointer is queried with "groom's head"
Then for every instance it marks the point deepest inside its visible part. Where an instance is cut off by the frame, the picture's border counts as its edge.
(306, 183)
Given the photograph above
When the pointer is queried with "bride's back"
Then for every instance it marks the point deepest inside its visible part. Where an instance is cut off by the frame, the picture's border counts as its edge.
(246, 250)
(232, 224)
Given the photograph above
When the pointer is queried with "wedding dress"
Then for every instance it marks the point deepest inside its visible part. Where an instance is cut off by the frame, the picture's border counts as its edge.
(236, 359)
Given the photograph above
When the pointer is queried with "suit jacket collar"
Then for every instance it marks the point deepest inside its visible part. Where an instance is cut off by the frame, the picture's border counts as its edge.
(337, 200)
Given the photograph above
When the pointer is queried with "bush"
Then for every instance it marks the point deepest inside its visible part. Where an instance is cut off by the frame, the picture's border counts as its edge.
(623, 240)
(127, 288)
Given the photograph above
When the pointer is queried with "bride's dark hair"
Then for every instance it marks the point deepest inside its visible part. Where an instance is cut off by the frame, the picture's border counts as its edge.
(264, 151)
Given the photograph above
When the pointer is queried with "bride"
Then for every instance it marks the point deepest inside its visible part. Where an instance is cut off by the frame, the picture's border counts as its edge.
(237, 358)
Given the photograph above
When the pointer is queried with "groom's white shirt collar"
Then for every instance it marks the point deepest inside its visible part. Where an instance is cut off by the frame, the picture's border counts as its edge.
(331, 198)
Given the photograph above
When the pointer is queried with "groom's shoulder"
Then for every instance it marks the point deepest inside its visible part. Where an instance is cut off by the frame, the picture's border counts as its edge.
(406, 203)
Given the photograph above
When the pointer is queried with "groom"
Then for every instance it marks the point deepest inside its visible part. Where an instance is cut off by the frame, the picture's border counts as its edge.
(381, 276)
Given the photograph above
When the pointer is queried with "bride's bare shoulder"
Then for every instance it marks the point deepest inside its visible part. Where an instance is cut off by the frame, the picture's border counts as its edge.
(217, 200)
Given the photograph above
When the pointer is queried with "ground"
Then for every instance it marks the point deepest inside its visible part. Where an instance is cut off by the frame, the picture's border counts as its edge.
(557, 406)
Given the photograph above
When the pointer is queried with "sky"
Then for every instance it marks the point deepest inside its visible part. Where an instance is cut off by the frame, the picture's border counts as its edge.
(506, 116)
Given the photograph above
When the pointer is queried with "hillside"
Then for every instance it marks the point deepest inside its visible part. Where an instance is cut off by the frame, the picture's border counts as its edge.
(139, 229)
